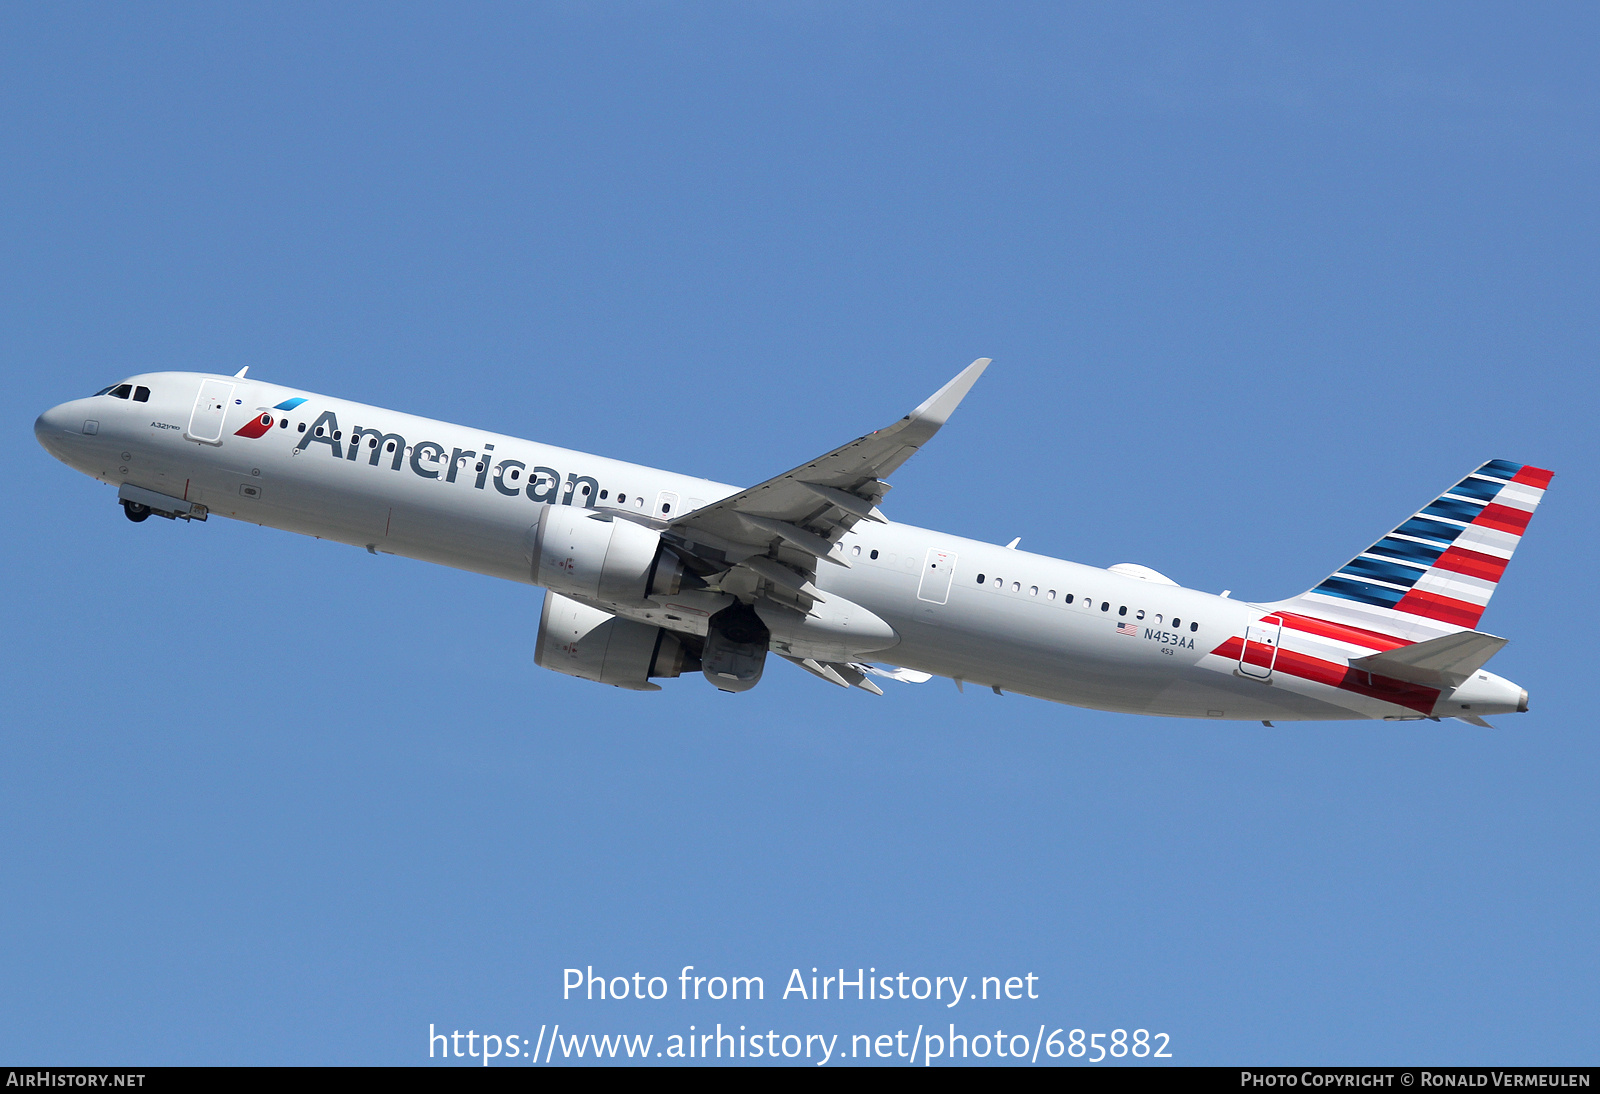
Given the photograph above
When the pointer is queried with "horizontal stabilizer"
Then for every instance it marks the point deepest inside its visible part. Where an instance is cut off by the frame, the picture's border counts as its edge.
(1473, 720)
(1439, 662)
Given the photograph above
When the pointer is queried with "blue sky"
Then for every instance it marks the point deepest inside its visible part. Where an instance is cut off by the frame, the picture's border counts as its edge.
(1258, 283)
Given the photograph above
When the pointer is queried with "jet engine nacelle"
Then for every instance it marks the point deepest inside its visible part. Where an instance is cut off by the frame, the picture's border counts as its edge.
(600, 557)
(594, 645)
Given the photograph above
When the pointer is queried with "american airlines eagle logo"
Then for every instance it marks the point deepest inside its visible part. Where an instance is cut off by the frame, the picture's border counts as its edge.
(258, 426)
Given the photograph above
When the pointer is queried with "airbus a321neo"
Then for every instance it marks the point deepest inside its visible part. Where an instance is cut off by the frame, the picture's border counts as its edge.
(651, 574)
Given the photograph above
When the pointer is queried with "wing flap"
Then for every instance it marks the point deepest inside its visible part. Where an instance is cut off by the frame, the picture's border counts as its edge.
(854, 504)
(781, 576)
(840, 674)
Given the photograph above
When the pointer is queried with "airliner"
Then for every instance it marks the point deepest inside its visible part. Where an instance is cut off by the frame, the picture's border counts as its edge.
(649, 574)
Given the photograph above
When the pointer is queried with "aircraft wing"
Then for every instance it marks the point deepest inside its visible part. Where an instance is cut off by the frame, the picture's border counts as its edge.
(777, 532)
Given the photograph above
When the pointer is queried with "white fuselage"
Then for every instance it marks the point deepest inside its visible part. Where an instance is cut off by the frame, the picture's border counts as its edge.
(466, 498)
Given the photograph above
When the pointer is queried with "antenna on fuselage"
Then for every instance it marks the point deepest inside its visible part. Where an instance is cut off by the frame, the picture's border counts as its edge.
(240, 374)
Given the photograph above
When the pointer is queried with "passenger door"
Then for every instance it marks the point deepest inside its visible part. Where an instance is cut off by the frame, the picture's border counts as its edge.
(938, 570)
(1260, 652)
(210, 409)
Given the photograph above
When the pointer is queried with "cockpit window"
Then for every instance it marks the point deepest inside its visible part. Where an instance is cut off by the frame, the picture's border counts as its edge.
(102, 391)
(121, 391)
(141, 395)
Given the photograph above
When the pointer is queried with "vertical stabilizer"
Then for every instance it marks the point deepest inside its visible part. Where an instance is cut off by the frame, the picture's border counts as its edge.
(1434, 574)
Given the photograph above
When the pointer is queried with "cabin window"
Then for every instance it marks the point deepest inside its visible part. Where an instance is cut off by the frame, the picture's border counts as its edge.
(1122, 610)
(1139, 614)
(638, 501)
(1176, 622)
(585, 492)
(1033, 590)
(980, 579)
(478, 466)
(856, 551)
(622, 499)
(999, 581)
(603, 494)
(1105, 605)
(141, 395)
(1051, 595)
(874, 554)
(1016, 586)
(1194, 626)
(302, 428)
(283, 423)
(338, 434)
(514, 474)
(1067, 599)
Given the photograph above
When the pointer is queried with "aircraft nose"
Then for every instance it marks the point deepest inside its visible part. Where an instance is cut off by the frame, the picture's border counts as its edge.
(49, 425)
(56, 427)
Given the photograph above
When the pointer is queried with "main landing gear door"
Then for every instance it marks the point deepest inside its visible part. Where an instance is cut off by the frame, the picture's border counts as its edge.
(210, 408)
(1260, 651)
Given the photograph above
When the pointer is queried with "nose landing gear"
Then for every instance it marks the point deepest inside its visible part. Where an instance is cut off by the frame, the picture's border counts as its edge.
(138, 504)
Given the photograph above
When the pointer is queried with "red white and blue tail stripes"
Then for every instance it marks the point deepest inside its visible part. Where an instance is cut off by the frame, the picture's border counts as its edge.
(1434, 574)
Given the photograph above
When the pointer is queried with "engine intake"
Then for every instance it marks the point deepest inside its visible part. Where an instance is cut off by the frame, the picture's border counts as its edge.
(599, 557)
